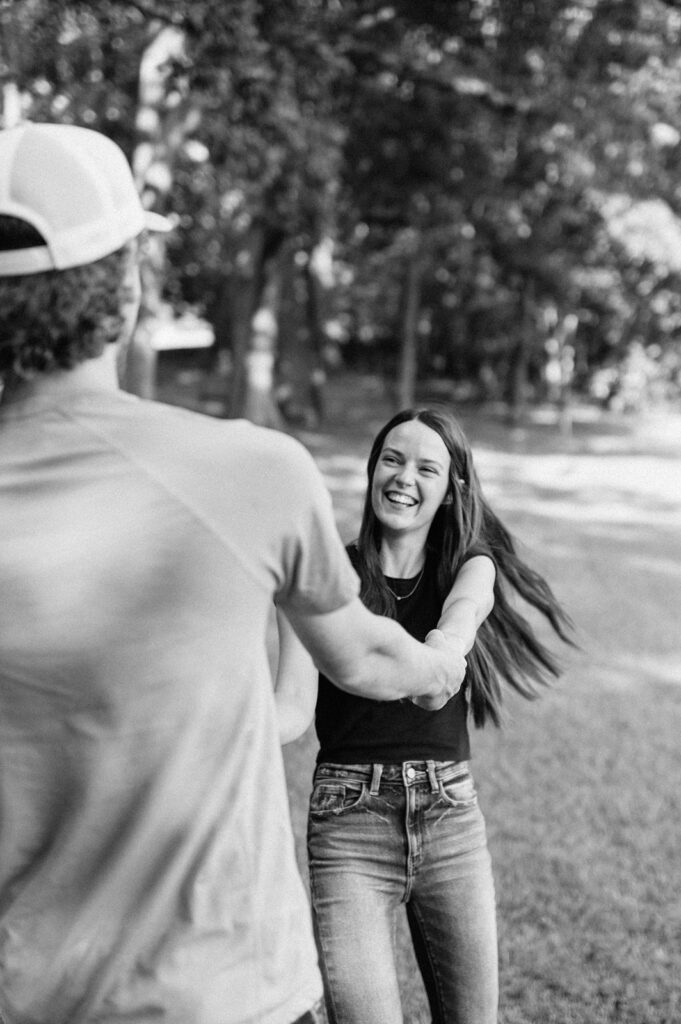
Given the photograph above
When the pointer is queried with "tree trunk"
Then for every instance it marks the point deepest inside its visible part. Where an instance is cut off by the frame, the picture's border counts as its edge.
(11, 105)
(566, 337)
(244, 288)
(319, 283)
(161, 132)
(520, 357)
(518, 381)
(255, 290)
(260, 405)
(301, 365)
(408, 364)
(11, 95)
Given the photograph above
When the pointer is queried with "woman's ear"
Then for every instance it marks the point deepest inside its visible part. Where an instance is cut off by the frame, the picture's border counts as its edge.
(448, 498)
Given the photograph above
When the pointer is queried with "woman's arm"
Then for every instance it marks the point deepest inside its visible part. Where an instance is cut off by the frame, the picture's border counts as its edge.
(295, 685)
(469, 602)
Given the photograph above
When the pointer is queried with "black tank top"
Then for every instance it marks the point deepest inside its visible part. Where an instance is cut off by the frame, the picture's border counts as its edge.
(356, 730)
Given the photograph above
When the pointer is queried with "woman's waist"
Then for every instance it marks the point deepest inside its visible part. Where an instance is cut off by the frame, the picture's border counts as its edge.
(394, 773)
(349, 747)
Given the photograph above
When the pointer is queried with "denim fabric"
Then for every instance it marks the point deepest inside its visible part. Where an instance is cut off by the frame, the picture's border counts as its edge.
(380, 836)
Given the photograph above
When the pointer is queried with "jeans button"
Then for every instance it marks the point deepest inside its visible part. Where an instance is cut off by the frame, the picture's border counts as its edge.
(410, 773)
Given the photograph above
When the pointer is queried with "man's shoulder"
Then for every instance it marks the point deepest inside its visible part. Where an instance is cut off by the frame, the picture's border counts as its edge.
(184, 429)
(228, 461)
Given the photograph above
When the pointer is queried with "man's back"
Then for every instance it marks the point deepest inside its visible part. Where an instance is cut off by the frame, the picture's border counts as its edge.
(146, 862)
(146, 857)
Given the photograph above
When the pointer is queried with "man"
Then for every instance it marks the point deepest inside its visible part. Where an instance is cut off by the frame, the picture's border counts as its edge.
(147, 870)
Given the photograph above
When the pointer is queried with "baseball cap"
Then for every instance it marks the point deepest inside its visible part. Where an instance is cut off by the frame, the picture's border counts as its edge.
(75, 187)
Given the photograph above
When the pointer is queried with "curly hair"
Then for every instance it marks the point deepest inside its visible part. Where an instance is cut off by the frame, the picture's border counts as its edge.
(507, 648)
(58, 318)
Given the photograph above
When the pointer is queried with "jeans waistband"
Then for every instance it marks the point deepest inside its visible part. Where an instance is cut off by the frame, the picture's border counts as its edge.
(406, 773)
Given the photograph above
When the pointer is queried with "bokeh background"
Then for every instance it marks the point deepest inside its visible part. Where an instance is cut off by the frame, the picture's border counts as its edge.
(475, 202)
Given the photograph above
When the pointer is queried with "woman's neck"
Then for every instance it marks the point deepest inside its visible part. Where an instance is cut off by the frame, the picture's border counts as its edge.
(402, 557)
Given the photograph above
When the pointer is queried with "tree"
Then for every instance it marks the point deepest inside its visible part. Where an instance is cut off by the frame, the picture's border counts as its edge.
(512, 122)
(262, 77)
(460, 161)
(102, 65)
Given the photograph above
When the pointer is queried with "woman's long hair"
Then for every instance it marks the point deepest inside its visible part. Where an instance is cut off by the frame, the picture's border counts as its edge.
(506, 648)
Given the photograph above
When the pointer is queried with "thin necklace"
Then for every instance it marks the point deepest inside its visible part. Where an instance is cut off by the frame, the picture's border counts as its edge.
(403, 597)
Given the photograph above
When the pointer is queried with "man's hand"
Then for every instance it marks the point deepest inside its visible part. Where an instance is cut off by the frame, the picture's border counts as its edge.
(452, 649)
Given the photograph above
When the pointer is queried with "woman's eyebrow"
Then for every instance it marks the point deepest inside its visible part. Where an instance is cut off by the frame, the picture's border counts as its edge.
(423, 462)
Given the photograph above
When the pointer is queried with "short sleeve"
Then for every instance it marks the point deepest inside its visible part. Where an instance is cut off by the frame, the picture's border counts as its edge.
(317, 574)
(475, 550)
(260, 492)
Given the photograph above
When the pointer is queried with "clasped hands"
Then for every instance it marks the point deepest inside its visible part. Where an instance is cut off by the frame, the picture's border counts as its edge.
(456, 670)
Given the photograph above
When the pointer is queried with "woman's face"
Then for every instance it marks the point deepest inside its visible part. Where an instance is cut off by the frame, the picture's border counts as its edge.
(411, 479)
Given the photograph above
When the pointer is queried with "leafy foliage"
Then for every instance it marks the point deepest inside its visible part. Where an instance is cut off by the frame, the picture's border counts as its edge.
(502, 146)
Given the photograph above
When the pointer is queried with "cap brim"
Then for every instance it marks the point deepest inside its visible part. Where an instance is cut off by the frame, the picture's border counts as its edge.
(157, 222)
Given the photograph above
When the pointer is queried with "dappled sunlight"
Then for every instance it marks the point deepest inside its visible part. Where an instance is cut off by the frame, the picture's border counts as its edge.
(646, 476)
(346, 468)
(633, 489)
(345, 476)
(618, 671)
(651, 668)
(612, 509)
(664, 566)
(643, 490)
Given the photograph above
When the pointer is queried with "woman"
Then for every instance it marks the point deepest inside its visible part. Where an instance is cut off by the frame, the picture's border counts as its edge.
(394, 817)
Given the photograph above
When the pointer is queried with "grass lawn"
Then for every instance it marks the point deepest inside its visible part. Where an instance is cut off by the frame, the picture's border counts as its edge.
(581, 788)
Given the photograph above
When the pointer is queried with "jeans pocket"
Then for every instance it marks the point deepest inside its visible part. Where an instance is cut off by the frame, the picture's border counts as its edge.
(334, 797)
(459, 793)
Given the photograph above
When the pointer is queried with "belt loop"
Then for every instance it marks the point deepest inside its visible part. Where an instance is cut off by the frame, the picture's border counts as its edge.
(432, 777)
(376, 779)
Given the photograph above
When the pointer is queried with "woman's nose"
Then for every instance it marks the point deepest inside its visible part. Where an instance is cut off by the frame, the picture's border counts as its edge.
(405, 475)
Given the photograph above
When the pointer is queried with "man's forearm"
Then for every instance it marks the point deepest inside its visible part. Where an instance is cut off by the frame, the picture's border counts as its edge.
(372, 656)
(398, 666)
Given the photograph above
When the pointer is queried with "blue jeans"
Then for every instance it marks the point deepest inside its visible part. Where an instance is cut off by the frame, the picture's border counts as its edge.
(384, 835)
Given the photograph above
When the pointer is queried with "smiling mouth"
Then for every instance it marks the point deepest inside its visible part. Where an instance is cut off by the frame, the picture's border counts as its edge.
(398, 498)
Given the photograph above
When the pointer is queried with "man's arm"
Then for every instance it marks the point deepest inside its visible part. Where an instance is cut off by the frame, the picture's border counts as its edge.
(295, 684)
(372, 656)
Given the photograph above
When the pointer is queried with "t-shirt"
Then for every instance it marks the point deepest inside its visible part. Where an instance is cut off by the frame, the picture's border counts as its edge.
(147, 868)
(357, 730)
